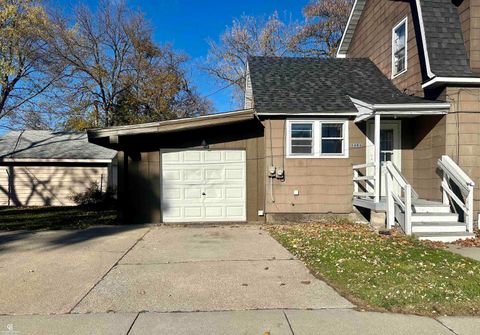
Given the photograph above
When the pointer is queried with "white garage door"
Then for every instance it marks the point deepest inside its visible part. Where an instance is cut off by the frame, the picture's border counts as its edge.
(204, 186)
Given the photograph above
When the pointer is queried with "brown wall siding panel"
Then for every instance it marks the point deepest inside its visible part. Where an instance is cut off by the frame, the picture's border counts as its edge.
(428, 147)
(463, 137)
(373, 40)
(324, 184)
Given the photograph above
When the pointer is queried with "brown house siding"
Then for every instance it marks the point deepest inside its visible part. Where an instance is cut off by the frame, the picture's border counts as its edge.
(324, 185)
(140, 175)
(373, 40)
(462, 133)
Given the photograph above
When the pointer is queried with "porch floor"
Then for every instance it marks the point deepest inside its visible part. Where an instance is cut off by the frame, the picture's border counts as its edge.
(382, 204)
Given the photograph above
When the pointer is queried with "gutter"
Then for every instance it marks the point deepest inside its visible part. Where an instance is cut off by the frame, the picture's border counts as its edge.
(54, 160)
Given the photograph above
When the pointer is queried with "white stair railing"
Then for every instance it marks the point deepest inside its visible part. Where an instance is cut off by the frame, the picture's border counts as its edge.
(364, 181)
(453, 173)
(394, 198)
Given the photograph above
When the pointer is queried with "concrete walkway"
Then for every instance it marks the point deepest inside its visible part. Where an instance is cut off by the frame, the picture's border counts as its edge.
(177, 280)
(273, 322)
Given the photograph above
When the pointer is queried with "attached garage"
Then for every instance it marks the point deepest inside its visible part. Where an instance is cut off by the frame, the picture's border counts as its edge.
(204, 169)
(204, 186)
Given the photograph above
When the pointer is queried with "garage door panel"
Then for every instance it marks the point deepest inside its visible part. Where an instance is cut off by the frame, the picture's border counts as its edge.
(172, 194)
(193, 194)
(234, 156)
(233, 211)
(214, 174)
(214, 212)
(236, 193)
(192, 156)
(192, 212)
(234, 174)
(212, 184)
(213, 156)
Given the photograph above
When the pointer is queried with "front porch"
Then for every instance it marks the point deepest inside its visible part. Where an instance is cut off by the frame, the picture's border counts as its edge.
(396, 160)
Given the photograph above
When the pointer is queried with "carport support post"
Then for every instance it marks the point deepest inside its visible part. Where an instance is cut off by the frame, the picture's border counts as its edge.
(376, 158)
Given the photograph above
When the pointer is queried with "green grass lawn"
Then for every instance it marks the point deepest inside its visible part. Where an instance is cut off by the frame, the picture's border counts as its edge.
(393, 273)
(54, 217)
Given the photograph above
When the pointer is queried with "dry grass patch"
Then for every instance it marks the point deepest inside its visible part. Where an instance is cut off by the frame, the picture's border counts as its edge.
(392, 273)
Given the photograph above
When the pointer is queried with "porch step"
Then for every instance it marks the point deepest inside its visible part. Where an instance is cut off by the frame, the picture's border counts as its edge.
(434, 217)
(438, 227)
(444, 237)
(431, 207)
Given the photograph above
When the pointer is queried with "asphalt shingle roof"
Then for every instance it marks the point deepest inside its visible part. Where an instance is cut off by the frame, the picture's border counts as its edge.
(313, 85)
(443, 32)
(42, 144)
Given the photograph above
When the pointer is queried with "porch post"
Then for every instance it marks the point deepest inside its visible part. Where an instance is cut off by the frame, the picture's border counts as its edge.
(376, 158)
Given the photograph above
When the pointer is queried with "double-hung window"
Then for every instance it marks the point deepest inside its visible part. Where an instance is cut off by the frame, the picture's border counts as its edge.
(399, 48)
(317, 138)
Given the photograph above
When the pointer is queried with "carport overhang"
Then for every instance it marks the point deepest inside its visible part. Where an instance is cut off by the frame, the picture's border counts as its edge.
(111, 137)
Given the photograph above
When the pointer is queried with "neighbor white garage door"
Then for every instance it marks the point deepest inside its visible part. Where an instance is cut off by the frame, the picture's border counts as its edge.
(204, 186)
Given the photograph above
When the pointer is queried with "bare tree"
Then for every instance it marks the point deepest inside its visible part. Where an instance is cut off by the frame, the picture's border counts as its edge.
(114, 67)
(325, 21)
(248, 36)
(27, 69)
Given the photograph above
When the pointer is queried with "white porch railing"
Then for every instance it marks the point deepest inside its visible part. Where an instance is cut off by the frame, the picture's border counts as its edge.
(452, 173)
(394, 198)
(363, 184)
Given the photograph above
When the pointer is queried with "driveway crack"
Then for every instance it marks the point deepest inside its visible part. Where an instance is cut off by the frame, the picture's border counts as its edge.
(133, 323)
(288, 322)
(109, 270)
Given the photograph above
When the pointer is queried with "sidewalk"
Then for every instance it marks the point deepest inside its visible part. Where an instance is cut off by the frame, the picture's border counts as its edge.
(273, 322)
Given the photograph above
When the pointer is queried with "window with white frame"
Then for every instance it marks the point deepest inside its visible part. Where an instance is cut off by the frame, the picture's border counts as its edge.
(399, 48)
(317, 138)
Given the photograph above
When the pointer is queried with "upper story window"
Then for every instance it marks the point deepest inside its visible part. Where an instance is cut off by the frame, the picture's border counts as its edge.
(317, 138)
(399, 48)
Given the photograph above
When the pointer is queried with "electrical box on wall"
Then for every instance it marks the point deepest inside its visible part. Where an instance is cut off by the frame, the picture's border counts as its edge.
(296, 192)
(261, 212)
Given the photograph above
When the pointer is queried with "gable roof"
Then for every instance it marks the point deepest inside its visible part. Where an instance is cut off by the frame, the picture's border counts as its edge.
(441, 36)
(45, 145)
(291, 85)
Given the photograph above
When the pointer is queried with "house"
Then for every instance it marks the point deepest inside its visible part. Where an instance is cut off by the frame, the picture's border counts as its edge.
(39, 167)
(390, 128)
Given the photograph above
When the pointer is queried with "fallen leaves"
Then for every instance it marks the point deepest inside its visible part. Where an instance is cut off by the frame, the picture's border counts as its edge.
(393, 272)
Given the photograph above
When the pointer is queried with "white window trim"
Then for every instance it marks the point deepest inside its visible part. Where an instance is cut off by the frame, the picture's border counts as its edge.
(404, 21)
(317, 133)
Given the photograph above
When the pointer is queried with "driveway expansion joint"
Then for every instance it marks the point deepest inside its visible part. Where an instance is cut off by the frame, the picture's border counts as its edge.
(109, 270)
(445, 326)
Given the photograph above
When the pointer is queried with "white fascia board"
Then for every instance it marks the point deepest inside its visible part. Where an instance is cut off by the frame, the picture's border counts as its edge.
(430, 74)
(100, 132)
(53, 160)
(405, 113)
(413, 107)
(355, 8)
(451, 80)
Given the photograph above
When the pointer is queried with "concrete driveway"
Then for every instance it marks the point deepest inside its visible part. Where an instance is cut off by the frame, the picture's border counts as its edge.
(217, 280)
(158, 269)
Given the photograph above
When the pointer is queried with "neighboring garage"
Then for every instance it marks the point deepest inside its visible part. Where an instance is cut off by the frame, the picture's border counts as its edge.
(44, 168)
(204, 169)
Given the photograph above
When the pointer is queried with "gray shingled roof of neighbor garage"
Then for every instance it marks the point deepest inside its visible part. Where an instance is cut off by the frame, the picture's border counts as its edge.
(312, 85)
(50, 145)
